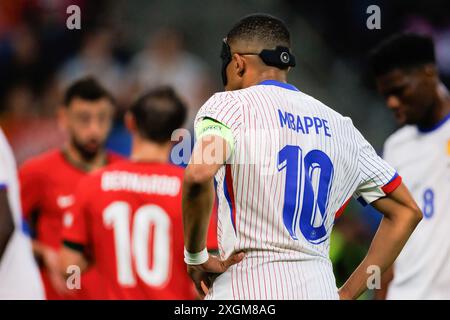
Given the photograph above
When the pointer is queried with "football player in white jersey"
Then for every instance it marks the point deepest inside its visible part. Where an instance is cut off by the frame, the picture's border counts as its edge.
(19, 276)
(406, 76)
(285, 166)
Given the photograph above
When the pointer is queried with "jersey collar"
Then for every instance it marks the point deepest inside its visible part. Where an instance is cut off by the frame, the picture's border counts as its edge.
(435, 127)
(278, 84)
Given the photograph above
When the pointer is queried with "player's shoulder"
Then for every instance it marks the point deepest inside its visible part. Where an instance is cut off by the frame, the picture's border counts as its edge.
(319, 107)
(117, 165)
(218, 99)
(324, 108)
(401, 137)
(43, 161)
(91, 183)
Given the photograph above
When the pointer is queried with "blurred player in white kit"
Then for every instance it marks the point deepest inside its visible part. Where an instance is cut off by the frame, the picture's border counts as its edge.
(406, 75)
(19, 276)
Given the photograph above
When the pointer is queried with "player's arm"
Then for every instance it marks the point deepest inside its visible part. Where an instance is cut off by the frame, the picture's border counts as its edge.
(386, 278)
(30, 197)
(400, 217)
(209, 155)
(213, 148)
(6, 220)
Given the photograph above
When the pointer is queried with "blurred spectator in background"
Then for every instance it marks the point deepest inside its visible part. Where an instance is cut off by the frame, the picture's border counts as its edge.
(21, 59)
(95, 58)
(29, 131)
(440, 32)
(164, 61)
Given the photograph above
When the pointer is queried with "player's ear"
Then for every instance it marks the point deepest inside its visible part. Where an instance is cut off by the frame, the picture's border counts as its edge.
(130, 122)
(238, 64)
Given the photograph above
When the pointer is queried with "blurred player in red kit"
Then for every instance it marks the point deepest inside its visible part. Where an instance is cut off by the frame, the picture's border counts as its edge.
(127, 217)
(48, 181)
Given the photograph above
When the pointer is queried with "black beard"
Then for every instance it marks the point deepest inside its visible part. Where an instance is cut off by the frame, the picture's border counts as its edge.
(87, 155)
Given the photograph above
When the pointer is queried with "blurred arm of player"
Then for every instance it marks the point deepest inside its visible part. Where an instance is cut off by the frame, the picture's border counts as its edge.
(400, 217)
(211, 151)
(31, 195)
(6, 221)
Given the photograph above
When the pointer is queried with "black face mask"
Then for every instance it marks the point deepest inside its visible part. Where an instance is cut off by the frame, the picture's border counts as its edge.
(279, 57)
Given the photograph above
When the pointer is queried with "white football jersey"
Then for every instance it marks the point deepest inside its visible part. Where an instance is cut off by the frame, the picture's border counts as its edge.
(422, 270)
(19, 275)
(296, 163)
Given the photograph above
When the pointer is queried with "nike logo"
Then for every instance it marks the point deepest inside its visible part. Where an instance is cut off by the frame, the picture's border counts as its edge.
(65, 201)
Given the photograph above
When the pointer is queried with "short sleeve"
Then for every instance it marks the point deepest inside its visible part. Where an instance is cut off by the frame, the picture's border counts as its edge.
(377, 177)
(75, 230)
(225, 109)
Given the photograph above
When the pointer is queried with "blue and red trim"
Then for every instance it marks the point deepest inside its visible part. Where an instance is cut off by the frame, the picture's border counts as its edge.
(393, 184)
(229, 194)
(389, 187)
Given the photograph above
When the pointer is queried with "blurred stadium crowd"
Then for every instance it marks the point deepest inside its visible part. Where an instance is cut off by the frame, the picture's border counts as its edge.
(131, 46)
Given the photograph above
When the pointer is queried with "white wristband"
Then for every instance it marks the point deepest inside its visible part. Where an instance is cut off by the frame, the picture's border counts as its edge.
(194, 259)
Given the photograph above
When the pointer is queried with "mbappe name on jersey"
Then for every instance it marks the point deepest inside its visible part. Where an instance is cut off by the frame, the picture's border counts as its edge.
(304, 124)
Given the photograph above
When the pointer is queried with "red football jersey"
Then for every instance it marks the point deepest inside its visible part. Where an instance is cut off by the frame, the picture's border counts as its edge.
(48, 183)
(128, 217)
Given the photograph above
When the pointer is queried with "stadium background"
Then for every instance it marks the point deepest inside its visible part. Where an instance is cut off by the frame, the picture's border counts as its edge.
(133, 45)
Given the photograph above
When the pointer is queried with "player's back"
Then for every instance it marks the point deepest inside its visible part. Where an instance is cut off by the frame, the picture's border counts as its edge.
(135, 230)
(296, 163)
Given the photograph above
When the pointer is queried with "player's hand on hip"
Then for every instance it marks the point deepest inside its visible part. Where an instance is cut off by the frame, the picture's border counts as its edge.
(204, 274)
(343, 295)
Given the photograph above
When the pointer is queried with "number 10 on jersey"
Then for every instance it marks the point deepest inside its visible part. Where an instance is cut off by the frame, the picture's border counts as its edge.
(308, 184)
(131, 242)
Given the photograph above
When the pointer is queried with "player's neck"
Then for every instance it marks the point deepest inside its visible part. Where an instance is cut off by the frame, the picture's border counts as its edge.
(444, 101)
(271, 75)
(440, 110)
(145, 151)
(74, 157)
